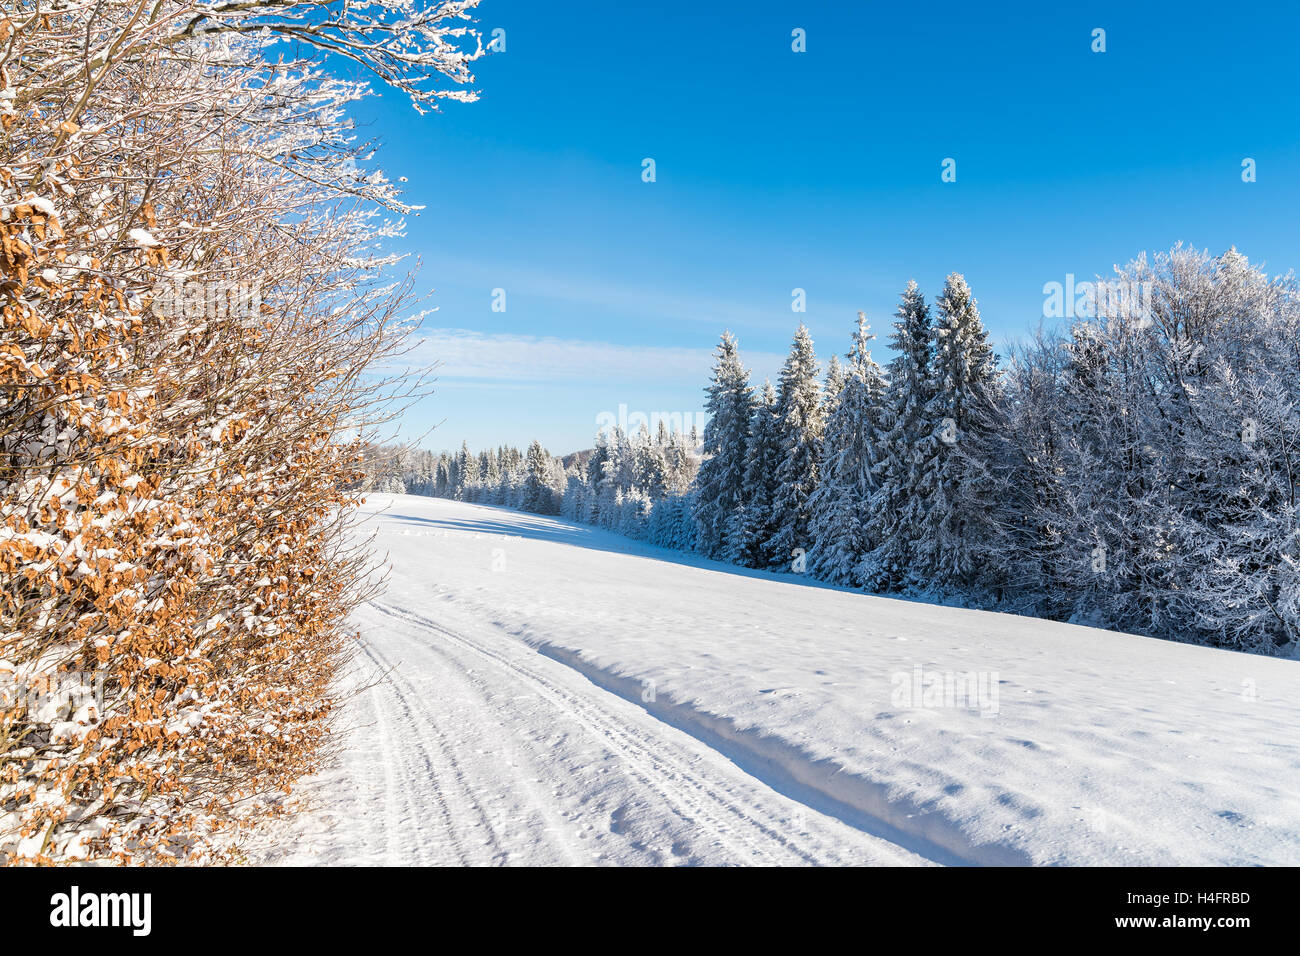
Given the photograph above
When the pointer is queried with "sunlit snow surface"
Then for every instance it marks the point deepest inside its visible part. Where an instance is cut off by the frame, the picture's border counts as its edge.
(558, 694)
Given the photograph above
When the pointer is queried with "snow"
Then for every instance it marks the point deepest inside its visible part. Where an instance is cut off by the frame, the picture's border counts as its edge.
(559, 694)
(142, 237)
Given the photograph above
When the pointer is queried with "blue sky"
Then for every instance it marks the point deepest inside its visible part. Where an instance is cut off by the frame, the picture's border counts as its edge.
(817, 170)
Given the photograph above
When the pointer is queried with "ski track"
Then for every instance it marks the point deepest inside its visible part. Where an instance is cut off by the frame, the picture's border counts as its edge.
(451, 767)
(655, 767)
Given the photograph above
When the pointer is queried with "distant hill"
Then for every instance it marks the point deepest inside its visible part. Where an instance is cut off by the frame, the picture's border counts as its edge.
(578, 458)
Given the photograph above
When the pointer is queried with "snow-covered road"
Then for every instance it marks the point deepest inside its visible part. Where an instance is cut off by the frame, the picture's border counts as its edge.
(535, 692)
(474, 749)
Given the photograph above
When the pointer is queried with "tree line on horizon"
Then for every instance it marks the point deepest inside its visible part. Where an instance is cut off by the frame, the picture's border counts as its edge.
(1137, 471)
(633, 483)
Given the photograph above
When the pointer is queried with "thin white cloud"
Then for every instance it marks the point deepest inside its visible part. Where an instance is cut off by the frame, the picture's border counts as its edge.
(462, 355)
(666, 302)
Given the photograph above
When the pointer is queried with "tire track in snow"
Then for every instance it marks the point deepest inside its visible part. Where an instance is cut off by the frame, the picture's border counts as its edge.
(912, 829)
(689, 811)
(749, 835)
(440, 772)
(640, 760)
(642, 763)
(385, 798)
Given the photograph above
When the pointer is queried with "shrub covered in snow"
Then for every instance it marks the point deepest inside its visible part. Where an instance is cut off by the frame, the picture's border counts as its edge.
(173, 466)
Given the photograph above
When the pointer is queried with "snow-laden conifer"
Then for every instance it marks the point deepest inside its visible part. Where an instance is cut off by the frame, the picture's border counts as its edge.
(840, 506)
(718, 486)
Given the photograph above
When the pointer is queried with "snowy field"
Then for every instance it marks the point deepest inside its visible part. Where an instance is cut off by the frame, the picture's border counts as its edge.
(556, 694)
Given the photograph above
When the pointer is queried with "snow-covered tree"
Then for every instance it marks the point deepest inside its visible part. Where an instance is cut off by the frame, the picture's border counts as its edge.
(718, 487)
(671, 523)
(835, 376)
(753, 523)
(466, 473)
(906, 444)
(634, 508)
(443, 483)
(849, 467)
(596, 484)
(956, 484)
(680, 463)
(800, 425)
(618, 479)
(537, 496)
(1153, 451)
(651, 464)
(573, 503)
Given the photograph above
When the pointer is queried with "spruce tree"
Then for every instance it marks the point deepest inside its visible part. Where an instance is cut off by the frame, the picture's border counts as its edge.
(679, 462)
(961, 413)
(800, 426)
(752, 525)
(719, 484)
(835, 378)
(651, 464)
(442, 484)
(536, 492)
(620, 466)
(840, 506)
(596, 479)
(895, 512)
(466, 473)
